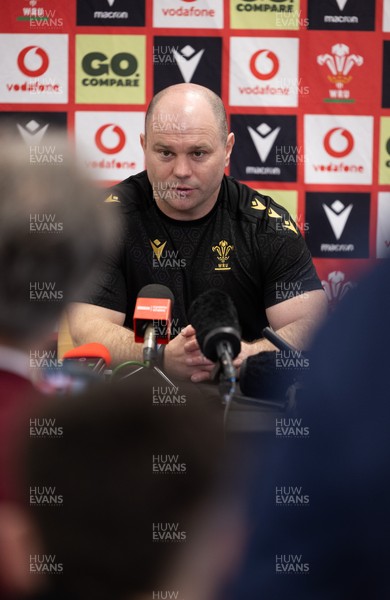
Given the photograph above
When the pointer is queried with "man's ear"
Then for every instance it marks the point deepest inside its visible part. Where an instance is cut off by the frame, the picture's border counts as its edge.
(142, 139)
(19, 539)
(228, 148)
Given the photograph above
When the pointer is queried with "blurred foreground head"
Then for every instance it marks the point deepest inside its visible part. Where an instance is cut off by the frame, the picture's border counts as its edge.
(52, 232)
(118, 490)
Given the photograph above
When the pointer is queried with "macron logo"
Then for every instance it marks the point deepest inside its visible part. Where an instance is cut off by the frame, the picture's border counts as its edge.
(32, 132)
(111, 2)
(263, 138)
(341, 4)
(338, 215)
(187, 61)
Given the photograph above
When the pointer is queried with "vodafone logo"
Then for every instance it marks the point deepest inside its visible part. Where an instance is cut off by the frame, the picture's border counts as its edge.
(264, 64)
(338, 142)
(34, 68)
(104, 145)
(105, 136)
(188, 13)
(33, 61)
(333, 143)
(266, 67)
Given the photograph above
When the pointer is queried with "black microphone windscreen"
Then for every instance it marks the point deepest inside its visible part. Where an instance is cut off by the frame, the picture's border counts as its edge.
(213, 310)
(268, 375)
(155, 290)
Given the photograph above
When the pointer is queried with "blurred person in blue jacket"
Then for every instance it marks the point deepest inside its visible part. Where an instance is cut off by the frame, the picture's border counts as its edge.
(319, 509)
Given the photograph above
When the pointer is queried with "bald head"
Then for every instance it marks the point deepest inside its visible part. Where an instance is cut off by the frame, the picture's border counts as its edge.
(191, 95)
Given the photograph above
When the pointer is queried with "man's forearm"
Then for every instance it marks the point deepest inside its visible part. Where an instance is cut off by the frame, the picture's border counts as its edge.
(119, 340)
(298, 334)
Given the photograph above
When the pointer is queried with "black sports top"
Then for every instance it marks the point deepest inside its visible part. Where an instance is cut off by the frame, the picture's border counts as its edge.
(247, 246)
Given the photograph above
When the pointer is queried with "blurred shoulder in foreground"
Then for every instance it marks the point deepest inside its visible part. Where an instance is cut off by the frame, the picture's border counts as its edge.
(52, 234)
(320, 512)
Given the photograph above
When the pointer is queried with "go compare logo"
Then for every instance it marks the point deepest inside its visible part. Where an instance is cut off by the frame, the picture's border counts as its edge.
(114, 64)
(121, 67)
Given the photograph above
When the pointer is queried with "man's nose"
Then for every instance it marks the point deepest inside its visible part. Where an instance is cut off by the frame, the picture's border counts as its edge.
(182, 167)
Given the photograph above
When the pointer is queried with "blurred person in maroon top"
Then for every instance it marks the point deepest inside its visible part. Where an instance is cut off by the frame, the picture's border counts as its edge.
(122, 521)
(52, 233)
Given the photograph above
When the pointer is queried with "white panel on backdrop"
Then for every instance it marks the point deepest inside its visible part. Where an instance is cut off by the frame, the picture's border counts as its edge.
(383, 226)
(205, 14)
(263, 71)
(386, 15)
(108, 143)
(338, 149)
(34, 68)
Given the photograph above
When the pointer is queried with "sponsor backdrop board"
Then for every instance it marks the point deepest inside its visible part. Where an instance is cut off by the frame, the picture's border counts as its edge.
(306, 85)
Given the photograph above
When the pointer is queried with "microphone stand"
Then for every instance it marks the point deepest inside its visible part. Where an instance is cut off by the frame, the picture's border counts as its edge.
(142, 366)
(226, 373)
(149, 356)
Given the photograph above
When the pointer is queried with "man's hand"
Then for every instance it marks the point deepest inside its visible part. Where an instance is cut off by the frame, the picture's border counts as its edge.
(246, 350)
(183, 358)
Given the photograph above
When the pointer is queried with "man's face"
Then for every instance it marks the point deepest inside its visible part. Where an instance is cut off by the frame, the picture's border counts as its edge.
(185, 156)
